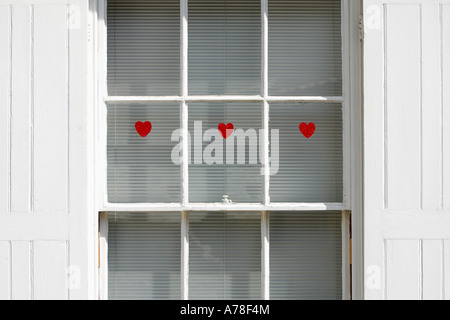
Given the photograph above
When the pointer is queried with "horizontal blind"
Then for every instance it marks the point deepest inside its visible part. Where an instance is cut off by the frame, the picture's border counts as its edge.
(228, 166)
(305, 256)
(224, 256)
(141, 169)
(224, 47)
(310, 169)
(305, 48)
(143, 47)
(144, 256)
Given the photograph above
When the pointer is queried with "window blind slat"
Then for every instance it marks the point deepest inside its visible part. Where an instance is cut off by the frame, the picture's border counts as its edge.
(140, 169)
(305, 256)
(144, 256)
(310, 169)
(224, 256)
(216, 168)
(305, 48)
(143, 47)
(224, 47)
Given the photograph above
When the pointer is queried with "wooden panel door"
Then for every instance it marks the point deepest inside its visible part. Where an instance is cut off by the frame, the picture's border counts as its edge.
(406, 149)
(44, 151)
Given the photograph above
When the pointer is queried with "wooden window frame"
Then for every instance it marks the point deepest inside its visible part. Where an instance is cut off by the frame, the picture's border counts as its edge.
(351, 206)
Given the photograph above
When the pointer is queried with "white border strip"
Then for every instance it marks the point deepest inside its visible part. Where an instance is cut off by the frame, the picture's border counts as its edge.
(216, 207)
(277, 99)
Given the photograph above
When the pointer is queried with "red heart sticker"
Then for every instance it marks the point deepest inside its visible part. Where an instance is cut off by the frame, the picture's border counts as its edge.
(143, 128)
(307, 129)
(226, 129)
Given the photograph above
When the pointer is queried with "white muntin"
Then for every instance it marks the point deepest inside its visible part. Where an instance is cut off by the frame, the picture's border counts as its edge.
(213, 153)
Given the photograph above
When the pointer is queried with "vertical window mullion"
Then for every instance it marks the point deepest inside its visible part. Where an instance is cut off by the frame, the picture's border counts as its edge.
(265, 255)
(184, 255)
(265, 93)
(265, 243)
(184, 107)
(185, 152)
(345, 27)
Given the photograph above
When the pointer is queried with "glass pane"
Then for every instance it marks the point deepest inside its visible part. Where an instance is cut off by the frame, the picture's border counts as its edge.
(140, 168)
(224, 47)
(144, 256)
(230, 166)
(224, 256)
(305, 256)
(310, 155)
(143, 47)
(305, 48)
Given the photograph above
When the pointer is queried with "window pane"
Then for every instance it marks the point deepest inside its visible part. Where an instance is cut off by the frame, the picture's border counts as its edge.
(305, 47)
(143, 47)
(224, 47)
(221, 166)
(144, 256)
(140, 169)
(310, 169)
(305, 256)
(225, 256)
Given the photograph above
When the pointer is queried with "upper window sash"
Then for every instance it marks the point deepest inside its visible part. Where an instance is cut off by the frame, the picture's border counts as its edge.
(265, 99)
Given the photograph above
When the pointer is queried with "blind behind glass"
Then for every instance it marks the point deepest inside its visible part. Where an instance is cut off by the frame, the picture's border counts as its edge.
(305, 256)
(224, 256)
(142, 169)
(224, 47)
(144, 256)
(310, 170)
(236, 167)
(143, 47)
(305, 48)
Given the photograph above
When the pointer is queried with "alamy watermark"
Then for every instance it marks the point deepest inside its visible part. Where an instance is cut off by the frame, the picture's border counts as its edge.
(225, 143)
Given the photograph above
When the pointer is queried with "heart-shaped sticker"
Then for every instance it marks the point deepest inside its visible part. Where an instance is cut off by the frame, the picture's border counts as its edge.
(226, 130)
(143, 128)
(307, 129)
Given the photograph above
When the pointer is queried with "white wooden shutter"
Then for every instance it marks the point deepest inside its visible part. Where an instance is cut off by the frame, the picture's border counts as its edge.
(44, 249)
(407, 149)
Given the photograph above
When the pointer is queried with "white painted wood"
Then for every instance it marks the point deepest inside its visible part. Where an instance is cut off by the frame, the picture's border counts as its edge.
(103, 257)
(83, 218)
(405, 222)
(445, 29)
(446, 270)
(346, 255)
(93, 216)
(402, 269)
(5, 270)
(184, 114)
(432, 269)
(22, 226)
(265, 104)
(50, 265)
(49, 184)
(50, 108)
(345, 105)
(265, 255)
(100, 74)
(21, 109)
(402, 106)
(431, 107)
(5, 87)
(21, 265)
(184, 255)
(305, 99)
(356, 148)
(145, 207)
(231, 98)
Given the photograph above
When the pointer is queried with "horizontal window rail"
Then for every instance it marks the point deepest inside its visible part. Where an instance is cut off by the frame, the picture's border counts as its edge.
(213, 207)
(278, 99)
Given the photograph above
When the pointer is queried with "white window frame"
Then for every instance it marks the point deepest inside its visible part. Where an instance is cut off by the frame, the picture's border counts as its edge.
(351, 206)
